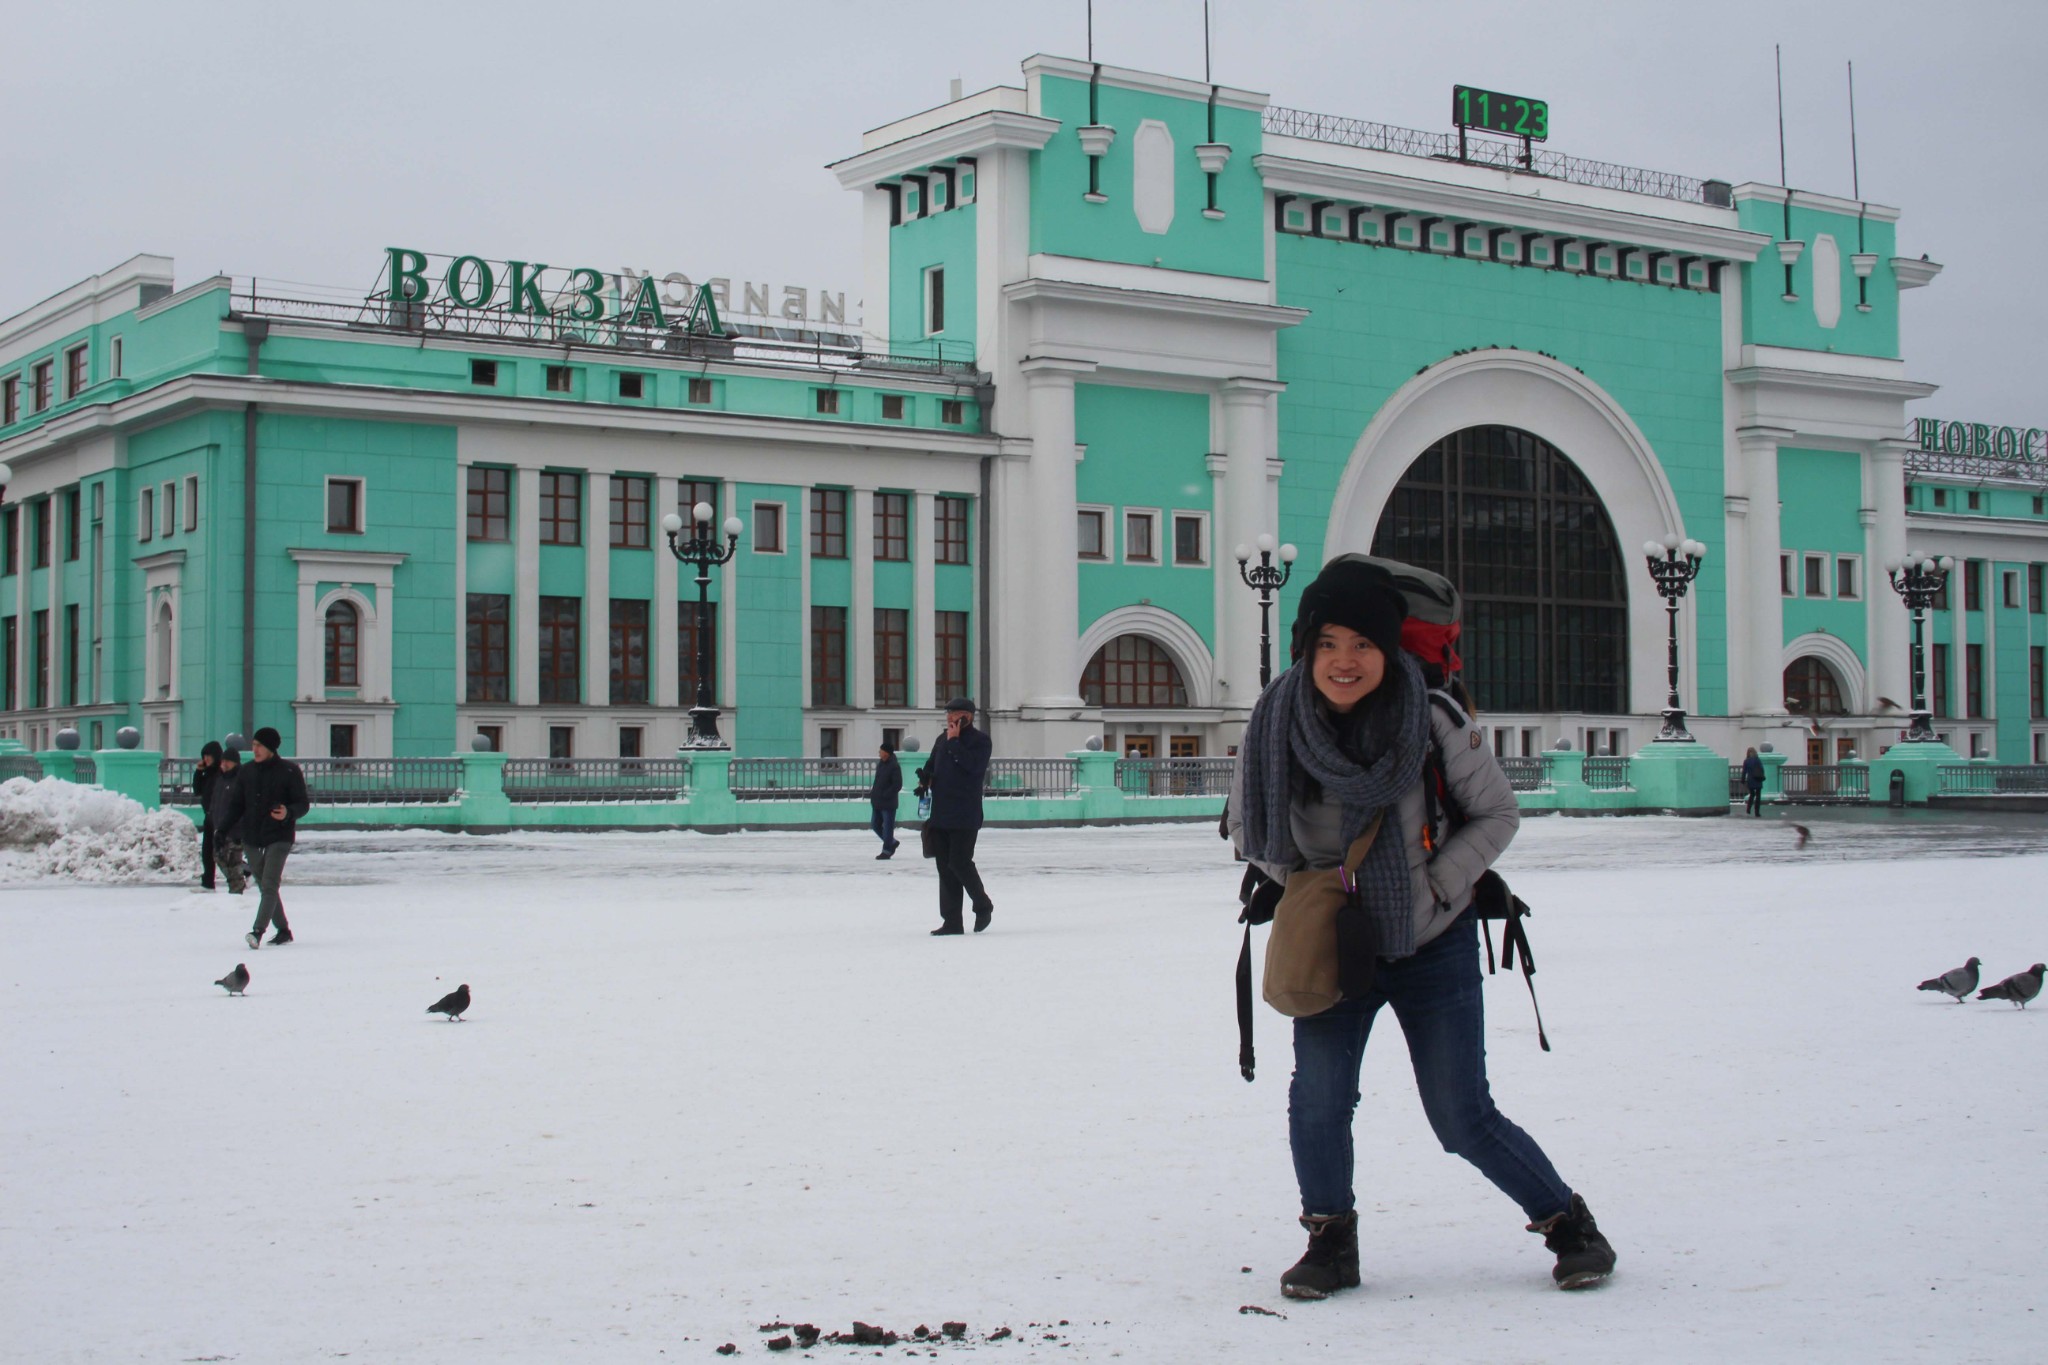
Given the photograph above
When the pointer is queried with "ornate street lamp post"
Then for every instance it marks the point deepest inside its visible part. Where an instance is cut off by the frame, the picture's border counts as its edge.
(1266, 581)
(1919, 579)
(704, 550)
(1674, 563)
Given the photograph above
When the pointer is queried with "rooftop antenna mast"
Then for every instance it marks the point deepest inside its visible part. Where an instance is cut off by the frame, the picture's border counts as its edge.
(1091, 32)
(1856, 188)
(1208, 77)
(1784, 182)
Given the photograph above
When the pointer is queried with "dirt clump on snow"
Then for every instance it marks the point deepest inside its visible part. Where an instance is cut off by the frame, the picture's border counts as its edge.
(869, 1334)
(52, 828)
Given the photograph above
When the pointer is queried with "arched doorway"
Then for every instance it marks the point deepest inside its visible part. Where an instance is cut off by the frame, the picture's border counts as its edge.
(1132, 671)
(1512, 521)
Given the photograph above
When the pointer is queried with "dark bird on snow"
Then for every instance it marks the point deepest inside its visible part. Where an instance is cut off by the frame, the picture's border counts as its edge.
(453, 1003)
(236, 981)
(2019, 988)
(1804, 835)
(1959, 981)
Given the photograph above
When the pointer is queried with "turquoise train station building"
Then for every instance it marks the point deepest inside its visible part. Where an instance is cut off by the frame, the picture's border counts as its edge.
(1112, 326)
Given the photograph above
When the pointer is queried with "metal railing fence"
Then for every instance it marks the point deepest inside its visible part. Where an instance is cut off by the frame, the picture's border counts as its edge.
(801, 779)
(1992, 779)
(1032, 777)
(20, 765)
(381, 781)
(537, 780)
(1605, 773)
(174, 782)
(1175, 776)
(1824, 782)
(1525, 774)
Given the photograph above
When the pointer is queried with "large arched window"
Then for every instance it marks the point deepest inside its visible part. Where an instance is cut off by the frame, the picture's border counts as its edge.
(1812, 689)
(1505, 516)
(1132, 671)
(165, 648)
(342, 624)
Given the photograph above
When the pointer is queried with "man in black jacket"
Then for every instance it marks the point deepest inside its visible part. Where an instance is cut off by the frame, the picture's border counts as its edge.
(205, 778)
(955, 774)
(887, 786)
(268, 800)
(227, 839)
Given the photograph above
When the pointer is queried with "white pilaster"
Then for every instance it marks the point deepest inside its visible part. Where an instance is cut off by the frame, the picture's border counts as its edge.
(1766, 604)
(1044, 539)
(526, 614)
(1736, 571)
(663, 674)
(860, 615)
(461, 533)
(924, 530)
(1241, 518)
(597, 588)
(1890, 663)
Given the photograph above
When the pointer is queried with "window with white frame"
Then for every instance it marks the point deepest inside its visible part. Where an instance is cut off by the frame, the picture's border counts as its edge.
(768, 528)
(1816, 575)
(1092, 527)
(145, 514)
(1191, 538)
(114, 358)
(1848, 577)
(191, 502)
(1786, 587)
(934, 300)
(167, 509)
(2010, 580)
(1141, 536)
(345, 506)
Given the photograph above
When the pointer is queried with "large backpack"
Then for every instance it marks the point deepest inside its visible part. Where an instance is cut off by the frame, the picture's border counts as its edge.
(1430, 632)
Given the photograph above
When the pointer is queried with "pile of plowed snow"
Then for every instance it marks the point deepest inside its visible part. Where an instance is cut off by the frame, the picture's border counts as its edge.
(64, 829)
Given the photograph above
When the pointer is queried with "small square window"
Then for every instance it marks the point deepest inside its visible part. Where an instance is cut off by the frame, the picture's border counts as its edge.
(560, 379)
(345, 506)
(892, 407)
(561, 741)
(1975, 501)
(768, 528)
(484, 373)
(1846, 586)
(1941, 497)
(341, 741)
(828, 741)
(1816, 576)
(632, 385)
(1141, 538)
(700, 391)
(827, 402)
(1187, 539)
(493, 737)
(2040, 505)
(1090, 531)
(952, 412)
(629, 740)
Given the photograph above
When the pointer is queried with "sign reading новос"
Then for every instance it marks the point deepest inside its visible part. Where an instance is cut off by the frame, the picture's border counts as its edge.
(1978, 440)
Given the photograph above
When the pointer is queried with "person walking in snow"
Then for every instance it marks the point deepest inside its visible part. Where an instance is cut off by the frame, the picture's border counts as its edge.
(268, 801)
(205, 778)
(1335, 742)
(882, 794)
(955, 774)
(227, 837)
(1753, 783)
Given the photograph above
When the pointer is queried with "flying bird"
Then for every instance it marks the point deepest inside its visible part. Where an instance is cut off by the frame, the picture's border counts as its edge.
(2019, 988)
(1804, 835)
(452, 1004)
(236, 981)
(1958, 982)
(1887, 704)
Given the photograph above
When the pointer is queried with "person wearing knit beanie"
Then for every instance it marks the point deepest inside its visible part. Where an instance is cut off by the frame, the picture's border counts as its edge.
(882, 796)
(268, 801)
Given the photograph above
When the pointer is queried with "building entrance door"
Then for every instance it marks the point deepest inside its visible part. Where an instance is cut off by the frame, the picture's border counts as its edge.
(1138, 746)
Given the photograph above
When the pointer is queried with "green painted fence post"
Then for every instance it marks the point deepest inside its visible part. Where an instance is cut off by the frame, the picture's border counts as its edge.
(712, 805)
(58, 763)
(1102, 800)
(484, 803)
(131, 772)
(1774, 776)
(1564, 770)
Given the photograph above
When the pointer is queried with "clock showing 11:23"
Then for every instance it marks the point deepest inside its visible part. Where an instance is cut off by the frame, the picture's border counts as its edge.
(1514, 115)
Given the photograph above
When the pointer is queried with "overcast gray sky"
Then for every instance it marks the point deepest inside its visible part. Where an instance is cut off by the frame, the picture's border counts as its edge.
(295, 141)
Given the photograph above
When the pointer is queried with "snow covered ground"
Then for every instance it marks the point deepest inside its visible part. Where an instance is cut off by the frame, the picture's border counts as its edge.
(714, 1082)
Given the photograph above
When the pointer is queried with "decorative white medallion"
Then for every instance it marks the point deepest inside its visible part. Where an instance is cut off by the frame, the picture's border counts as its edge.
(1827, 281)
(1152, 176)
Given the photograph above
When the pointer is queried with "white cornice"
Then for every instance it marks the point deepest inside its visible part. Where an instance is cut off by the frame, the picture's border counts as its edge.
(1775, 194)
(1822, 362)
(1770, 375)
(1293, 175)
(62, 306)
(1269, 316)
(1151, 83)
(997, 128)
(1911, 273)
(379, 559)
(189, 292)
(1010, 97)
(1149, 278)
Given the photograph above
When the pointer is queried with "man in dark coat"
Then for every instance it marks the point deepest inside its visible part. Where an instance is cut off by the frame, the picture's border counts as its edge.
(227, 839)
(955, 774)
(205, 778)
(269, 799)
(887, 786)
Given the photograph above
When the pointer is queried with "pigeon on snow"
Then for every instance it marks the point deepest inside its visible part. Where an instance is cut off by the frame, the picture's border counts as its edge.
(236, 981)
(1958, 982)
(2019, 988)
(1804, 835)
(453, 1003)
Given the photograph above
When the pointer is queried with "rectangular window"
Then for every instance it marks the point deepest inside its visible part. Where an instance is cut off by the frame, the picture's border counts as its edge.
(949, 654)
(560, 379)
(71, 655)
(2034, 588)
(561, 650)
(892, 407)
(691, 492)
(768, 528)
(828, 523)
(114, 350)
(145, 516)
(695, 629)
(10, 402)
(629, 652)
(2011, 587)
(828, 741)
(828, 656)
(1973, 681)
(8, 657)
(827, 401)
(345, 506)
(39, 662)
(1090, 534)
(1141, 538)
(632, 385)
(39, 385)
(630, 740)
(1973, 585)
(1941, 593)
(1941, 497)
(952, 411)
(1975, 501)
(484, 373)
(74, 372)
(892, 526)
(892, 657)
(167, 507)
(1785, 586)
(1816, 576)
(39, 516)
(2037, 680)
(493, 737)
(561, 741)
(629, 511)
(10, 539)
(1187, 539)
(934, 300)
(490, 646)
(341, 741)
(561, 508)
(700, 391)
(490, 503)
(951, 537)
(1846, 586)
(191, 503)
(1938, 682)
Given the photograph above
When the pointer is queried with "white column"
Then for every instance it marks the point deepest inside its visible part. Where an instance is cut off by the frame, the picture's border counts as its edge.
(597, 588)
(1241, 519)
(1766, 605)
(526, 604)
(860, 613)
(1045, 539)
(663, 674)
(1890, 663)
(924, 529)
(461, 533)
(1736, 572)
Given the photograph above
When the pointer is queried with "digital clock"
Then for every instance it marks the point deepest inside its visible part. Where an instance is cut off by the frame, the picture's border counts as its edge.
(1514, 115)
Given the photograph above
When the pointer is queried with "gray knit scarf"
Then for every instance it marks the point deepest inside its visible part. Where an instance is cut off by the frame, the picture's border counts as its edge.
(1288, 733)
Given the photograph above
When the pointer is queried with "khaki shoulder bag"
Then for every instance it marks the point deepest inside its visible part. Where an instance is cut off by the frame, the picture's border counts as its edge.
(1320, 944)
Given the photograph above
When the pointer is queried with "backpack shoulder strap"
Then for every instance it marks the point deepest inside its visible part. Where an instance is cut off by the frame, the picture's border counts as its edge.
(1437, 800)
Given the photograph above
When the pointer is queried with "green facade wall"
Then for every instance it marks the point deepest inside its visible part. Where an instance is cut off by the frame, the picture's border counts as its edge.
(1821, 492)
(1146, 448)
(945, 239)
(1769, 320)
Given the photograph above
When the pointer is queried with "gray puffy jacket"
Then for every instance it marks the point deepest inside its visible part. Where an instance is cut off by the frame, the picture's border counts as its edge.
(1443, 883)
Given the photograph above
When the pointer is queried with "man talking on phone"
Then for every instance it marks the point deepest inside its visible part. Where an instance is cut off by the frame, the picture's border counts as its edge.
(954, 774)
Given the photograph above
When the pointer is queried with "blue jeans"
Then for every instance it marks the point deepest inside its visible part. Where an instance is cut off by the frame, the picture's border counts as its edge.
(1436, 997)
(884, 825)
